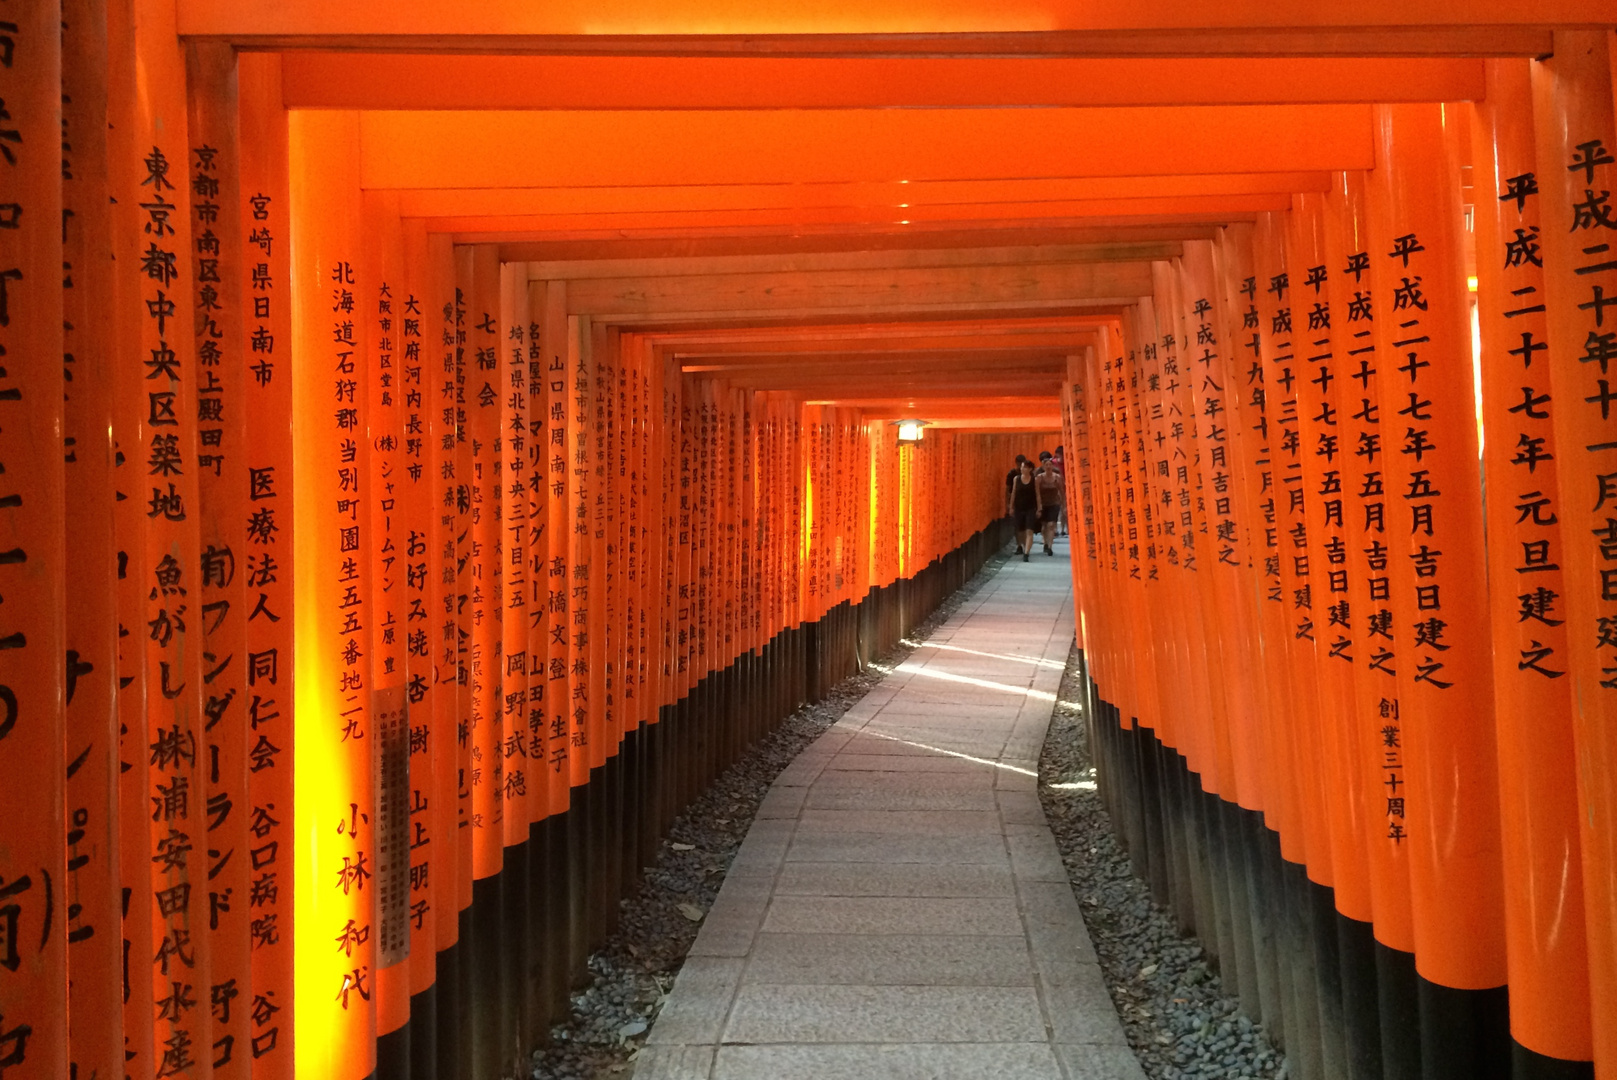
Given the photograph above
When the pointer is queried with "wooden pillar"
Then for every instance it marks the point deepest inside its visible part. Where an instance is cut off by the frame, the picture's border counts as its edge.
(168, 562)
(336, 820)
(33, 870)
(478, 276)
(267, 561)
(580, 379)
(429, 835)
(93, 883)
(549, 302)
(1275, 301)
(478, 281)
(218, 259)
(1576, 135)
(1317, 365)
(1545, 952)
(129, 473)
(379, 304)
(1438, 586)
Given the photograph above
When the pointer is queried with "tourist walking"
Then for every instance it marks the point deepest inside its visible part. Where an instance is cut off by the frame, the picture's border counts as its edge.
(1049, 485)
(1024, 507)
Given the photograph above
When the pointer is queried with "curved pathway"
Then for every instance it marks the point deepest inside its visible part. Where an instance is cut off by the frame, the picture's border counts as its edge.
(898, 909)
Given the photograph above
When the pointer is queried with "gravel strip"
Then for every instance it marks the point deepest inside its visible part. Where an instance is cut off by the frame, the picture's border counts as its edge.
(1175, 1013)
(634, 972)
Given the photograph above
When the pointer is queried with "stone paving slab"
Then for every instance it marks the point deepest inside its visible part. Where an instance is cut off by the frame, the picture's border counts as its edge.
(815, 822)
(897, 879)
(898, 959)
(900, 1061)
(916, 800)
(872, 847)
(985, 916)
(850, 774)
(898, 908)
(785, 1013)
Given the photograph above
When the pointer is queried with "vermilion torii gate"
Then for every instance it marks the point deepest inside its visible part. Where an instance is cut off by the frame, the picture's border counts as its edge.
(475, 425)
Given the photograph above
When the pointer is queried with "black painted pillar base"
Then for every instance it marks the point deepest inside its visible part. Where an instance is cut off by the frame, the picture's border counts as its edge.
(1341, 1004)
(393, 1051)
(1361, 1016)
(1464, 1034)
(1530, 1065)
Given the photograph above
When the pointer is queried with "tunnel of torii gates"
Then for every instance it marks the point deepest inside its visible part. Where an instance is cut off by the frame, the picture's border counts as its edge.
(474, 425)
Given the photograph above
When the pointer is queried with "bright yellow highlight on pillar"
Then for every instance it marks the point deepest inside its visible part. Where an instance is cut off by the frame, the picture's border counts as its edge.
(906, 506)
(804, 541)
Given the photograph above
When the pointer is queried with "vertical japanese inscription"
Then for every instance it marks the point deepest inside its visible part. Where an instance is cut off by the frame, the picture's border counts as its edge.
(216, 259)
(263, 472)
(577, 580)
(352, 866)
(389, 570)
(514, 525)
(183, 860)
(485, 569)
(1581, 235)
(420, 586)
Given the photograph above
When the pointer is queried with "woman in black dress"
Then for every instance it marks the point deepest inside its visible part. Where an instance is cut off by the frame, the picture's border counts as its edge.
(1025, 507)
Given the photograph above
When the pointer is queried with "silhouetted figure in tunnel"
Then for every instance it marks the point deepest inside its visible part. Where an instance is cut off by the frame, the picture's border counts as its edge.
(1025, 507)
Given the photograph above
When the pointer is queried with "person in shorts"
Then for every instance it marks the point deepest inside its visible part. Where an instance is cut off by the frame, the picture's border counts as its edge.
(1049, 485)
(1024, 507)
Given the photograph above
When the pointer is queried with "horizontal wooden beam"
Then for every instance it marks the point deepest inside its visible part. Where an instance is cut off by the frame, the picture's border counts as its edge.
(943, 384)
(897, 28)
(1219, 208)
(934, 368)
(1527, 40)
(350, 80)
(779, 242)
(918, 289)
(1042, 426)
(986, 405)
(864, 236)
(1100, 310)
(1029, 411)
(966, 344)
(796, 351)
(510, 149)
(941, 369)
(559, 270)
(877, 331)
(887, 195)
(981, 354)
(1032, 352)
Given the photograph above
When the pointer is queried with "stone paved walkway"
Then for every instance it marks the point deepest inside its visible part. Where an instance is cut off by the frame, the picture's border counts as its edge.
(898, 909)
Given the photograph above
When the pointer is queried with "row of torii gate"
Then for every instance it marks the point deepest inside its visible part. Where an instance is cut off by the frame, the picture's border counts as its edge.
(475, 426)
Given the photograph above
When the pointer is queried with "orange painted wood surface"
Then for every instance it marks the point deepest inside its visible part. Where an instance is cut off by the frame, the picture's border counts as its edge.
(334, 615)
(1538, 790)
(1436, 560)
(1573, 120)
(446, 394)
(90, 333)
